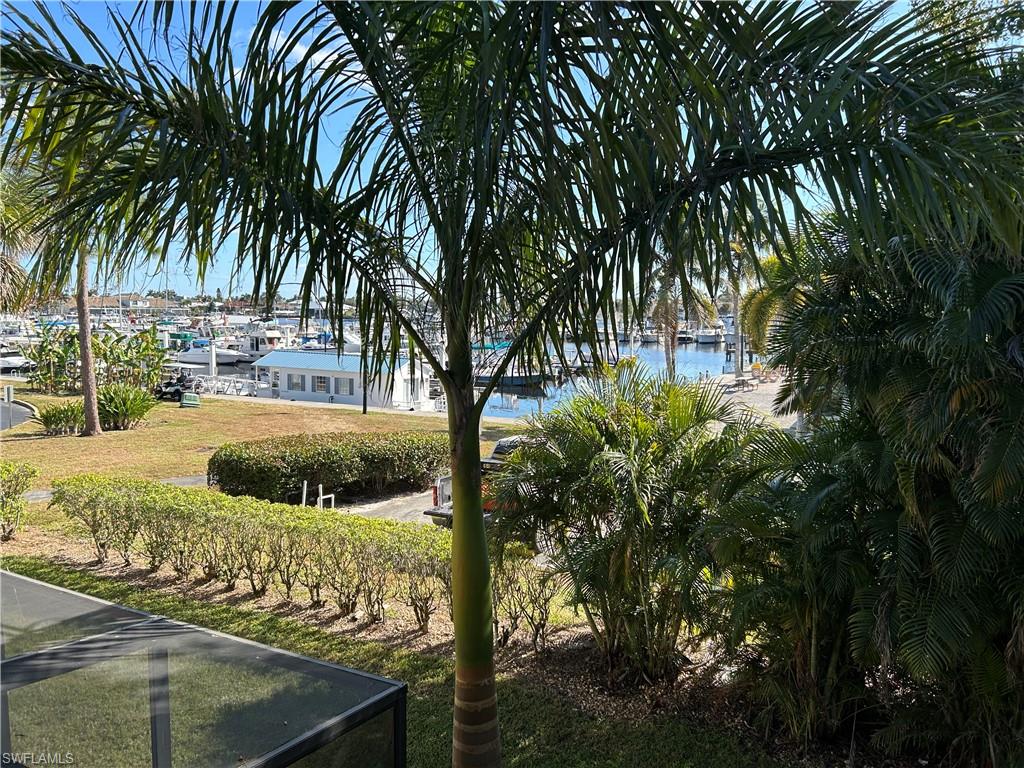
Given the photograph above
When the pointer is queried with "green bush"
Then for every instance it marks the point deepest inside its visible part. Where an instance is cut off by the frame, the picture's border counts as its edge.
(123, 406)
(62, 418)
(345, 464)
(199, 532)
(15, 478)
(619, 478)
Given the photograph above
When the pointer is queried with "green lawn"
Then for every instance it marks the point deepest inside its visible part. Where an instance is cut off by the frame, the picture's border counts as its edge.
(540, 728)
(175, 442)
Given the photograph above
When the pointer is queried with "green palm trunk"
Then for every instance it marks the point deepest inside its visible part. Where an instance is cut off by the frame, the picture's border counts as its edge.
(476, 739)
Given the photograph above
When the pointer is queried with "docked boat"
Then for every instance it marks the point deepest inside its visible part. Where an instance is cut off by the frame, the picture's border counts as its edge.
(13, 362)
(513, 377)
(711, 334)
(199, 352)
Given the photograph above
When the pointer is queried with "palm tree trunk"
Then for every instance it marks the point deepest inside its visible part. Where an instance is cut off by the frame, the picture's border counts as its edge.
(670, 333)
(92, 412)
(476, 738)
(737, 328)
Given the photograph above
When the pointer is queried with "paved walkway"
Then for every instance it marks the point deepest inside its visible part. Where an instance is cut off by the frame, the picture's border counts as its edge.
(13, 414)
(760, 399)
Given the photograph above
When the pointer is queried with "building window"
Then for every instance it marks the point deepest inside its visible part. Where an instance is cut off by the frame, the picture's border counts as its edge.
(344, 386)
(297, 382)
(321, 384)
(275, 379)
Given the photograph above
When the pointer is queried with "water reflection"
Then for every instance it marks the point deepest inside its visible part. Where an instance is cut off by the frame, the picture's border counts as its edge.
(691, 361)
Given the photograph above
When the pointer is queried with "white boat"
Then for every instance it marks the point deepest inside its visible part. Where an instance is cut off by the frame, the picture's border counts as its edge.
(711, 335)
(513, 377)
(199, 352)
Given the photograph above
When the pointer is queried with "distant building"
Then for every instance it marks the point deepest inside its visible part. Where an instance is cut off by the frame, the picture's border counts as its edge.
(331, 378)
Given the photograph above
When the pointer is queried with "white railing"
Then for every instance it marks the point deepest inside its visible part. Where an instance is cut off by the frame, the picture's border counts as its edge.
(225, 385)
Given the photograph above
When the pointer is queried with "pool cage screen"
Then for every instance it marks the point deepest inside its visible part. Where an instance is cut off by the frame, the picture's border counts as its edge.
(88, 683)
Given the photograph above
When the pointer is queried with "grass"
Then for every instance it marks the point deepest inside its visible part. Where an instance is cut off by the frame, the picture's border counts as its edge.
(177, 442)
(540, 729)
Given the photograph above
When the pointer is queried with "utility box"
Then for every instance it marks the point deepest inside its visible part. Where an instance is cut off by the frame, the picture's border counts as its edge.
(189, 400)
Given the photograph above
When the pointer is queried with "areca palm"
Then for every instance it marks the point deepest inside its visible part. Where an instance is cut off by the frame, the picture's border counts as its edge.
(925, 353)
(620, 480)
(508, 166)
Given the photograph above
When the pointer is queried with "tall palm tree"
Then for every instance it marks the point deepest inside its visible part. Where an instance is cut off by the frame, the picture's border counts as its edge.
(511, 165)
(28, 193)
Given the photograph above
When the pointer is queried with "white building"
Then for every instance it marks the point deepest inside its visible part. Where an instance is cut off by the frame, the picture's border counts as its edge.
(327, 377)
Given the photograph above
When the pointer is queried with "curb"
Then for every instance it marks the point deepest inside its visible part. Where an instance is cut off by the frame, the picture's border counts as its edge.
(27, 405)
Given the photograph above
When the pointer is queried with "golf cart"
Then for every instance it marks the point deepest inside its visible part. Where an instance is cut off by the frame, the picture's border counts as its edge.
(179, 381)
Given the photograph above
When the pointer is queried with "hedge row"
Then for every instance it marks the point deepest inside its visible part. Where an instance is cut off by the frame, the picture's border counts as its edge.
(353, 561)
(345, 464)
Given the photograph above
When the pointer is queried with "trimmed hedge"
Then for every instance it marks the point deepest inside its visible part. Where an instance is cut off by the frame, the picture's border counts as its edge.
(346, 464)
(354, 561)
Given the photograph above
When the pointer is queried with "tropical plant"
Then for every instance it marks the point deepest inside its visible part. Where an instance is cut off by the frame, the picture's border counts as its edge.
(34, 191)
(921, 346)
(15, 479)
(61, 418)
(119, 358)
(789, 538)
(677, 294)
(15, 239)
(55, 358)
(619, 480)
(124, 406)
(510, 166)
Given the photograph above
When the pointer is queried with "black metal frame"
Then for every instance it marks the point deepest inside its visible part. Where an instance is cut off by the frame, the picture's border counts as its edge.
(46, 663)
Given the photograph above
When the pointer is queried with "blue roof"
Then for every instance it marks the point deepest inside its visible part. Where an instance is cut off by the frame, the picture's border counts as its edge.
(312, 360)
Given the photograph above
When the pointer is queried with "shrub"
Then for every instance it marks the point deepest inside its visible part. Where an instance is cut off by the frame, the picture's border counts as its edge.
(62, 418)
(422, 557)
(123, 406)
(359, 562)
(619, 478)
(345, 464)
(15, 479)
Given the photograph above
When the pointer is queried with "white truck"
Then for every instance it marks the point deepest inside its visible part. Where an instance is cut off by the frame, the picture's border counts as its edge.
(441, 512)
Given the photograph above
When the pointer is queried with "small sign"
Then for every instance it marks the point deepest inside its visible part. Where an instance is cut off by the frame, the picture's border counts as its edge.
(8, 393)
(189, 400)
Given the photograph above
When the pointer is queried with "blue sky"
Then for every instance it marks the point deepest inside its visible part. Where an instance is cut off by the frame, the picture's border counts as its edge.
(177, 275)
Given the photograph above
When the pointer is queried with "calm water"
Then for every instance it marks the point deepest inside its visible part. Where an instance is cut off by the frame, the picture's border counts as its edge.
(691, 360)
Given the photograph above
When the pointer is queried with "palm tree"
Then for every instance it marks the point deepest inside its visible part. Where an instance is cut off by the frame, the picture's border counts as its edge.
(510, 165)
(677, 294)
(916, 352)
(15, 239)
(619, 480)
(28, 193)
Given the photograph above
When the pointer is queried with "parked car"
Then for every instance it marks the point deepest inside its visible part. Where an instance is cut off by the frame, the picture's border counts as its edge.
(441, 512)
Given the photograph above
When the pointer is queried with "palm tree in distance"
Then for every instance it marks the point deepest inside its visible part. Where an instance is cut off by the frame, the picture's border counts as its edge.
(510, 165)
(27, 193)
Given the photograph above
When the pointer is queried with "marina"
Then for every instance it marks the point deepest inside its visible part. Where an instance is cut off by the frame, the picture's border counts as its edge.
(277, 357)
